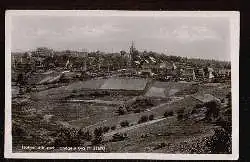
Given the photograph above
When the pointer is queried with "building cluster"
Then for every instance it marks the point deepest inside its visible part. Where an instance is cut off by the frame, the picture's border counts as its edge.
(134, 63)
(174, 70)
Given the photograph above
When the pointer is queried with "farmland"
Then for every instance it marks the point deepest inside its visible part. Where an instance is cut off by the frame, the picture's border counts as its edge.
(121, 111)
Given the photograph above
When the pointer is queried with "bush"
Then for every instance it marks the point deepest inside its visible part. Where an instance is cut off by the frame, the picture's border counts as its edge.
(151, 117)
(18, 130)
(180, 114)
(121, 111)
(67, 137)
(220, 142)
(168, 113)
(143, 119)
(105, 129)
(98, 132)
(28, 89)
(98, 136)
(113, 127)
(86, 135)
(137, 111)
(198, 106)
(119, 137)
(159, 146)
(124, 123)
(97, 140)
(213, 108)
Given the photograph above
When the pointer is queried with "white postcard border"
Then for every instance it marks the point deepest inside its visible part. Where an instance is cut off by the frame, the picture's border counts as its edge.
(234, 42)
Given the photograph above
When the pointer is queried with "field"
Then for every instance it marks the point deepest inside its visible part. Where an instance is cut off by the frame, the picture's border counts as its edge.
(92, 104)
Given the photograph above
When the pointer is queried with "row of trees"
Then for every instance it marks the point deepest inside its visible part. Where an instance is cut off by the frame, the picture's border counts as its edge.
(116, 60)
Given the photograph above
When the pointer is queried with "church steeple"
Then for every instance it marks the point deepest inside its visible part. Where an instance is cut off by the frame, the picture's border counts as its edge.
(133, 54)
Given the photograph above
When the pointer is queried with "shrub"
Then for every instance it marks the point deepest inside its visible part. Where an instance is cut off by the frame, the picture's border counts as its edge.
(106, 129)
(96, 140)
(124, 123)
(86, 135)
(222, 100)
(28, 89)
(168, 113)
(137, 111)
(220, 142)
(18, 130)
(67, 137)
(229, 98)
(159, 146)
(121, 111)
(198, 105)
(119, 137)
(113, 127)
(98, 132)
(143, 119)
(98, 136)
(180, 114)
(213, 108)
(151, 117)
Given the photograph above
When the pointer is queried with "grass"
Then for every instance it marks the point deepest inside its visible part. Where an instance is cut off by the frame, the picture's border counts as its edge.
(91, 115)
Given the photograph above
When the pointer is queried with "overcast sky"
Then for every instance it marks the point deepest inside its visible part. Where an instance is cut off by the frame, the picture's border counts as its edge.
(191, 37)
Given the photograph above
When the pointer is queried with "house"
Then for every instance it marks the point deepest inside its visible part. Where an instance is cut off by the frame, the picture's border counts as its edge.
(167, 66)
(188, 74)
(146, 73)
(200, 73)
(210, 72)
(224, 72)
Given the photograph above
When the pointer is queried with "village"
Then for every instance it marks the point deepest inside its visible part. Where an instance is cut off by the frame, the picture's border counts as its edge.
(132, 64)
(131, 101)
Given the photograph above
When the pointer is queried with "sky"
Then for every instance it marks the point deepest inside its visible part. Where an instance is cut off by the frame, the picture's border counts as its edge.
(189, 37)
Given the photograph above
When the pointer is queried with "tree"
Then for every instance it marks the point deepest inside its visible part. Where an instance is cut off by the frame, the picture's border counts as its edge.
(229, 98)
(21, 80)
(98, 136)
(97, 140)
(121, 110)
(122, 53)
(98, 132)
(67, 137)
(119, 137)
(206, 71)
(85, 135)
(124, 123)
(213, 108)
(113, 127)
(151, 117)
(220, 142)
(168, 113)
(143, 119)
(105, 129)
(180, 114)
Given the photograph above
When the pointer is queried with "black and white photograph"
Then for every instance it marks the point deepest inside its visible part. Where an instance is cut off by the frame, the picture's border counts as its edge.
(140, 84)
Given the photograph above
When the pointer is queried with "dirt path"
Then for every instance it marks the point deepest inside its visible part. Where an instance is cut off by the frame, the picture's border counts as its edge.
(110, 134)
(97, 101)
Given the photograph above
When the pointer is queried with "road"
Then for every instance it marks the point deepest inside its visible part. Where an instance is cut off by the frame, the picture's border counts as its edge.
(109, 135)
(97, 101)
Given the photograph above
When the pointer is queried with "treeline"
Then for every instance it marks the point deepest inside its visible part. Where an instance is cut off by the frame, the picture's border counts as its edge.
(117, 60)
